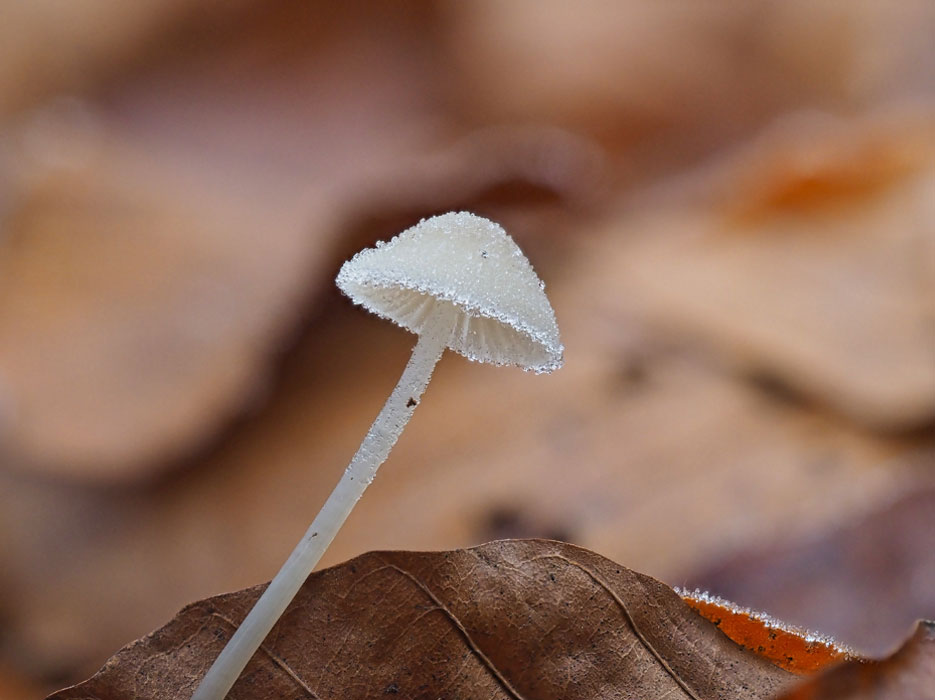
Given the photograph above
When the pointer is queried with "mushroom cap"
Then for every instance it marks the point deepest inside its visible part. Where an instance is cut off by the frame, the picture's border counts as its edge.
(469, 263)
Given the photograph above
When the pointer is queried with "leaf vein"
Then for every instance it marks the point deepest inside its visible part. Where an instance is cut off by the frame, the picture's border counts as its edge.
(488, 664)
(629, 618)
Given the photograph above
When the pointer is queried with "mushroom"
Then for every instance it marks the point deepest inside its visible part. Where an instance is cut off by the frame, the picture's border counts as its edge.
(458, 281)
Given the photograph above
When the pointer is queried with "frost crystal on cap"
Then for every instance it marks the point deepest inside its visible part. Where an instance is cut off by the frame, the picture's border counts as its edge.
(471, 264)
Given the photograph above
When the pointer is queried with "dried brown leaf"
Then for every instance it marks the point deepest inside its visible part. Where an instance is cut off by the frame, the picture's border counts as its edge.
(510, 619)
(836, 580)
(138, 312)
(149, 271)
(809, 162)
(827, 290)
(909, 674)
(93, 42)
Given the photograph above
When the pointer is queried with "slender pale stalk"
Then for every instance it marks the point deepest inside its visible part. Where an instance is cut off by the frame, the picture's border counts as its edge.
(372, 453)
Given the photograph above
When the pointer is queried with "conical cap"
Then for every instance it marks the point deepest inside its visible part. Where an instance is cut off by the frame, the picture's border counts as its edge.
(463, 260)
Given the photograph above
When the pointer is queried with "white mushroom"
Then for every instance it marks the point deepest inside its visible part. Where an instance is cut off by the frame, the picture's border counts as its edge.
(458, 281)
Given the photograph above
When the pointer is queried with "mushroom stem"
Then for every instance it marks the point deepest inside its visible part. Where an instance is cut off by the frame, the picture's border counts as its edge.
(373, 451)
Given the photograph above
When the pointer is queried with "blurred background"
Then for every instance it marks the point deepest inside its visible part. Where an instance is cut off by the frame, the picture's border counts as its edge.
(732, 206)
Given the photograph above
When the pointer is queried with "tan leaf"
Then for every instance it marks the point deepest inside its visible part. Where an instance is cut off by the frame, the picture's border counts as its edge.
(138, 312)
(824, 279)
(93, 41)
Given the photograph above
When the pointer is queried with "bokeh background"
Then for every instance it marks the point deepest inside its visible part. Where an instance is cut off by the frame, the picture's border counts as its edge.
(732, 205)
